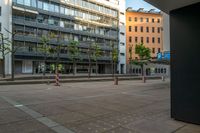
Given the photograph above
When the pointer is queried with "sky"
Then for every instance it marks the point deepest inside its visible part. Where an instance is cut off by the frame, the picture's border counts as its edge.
(136, 4)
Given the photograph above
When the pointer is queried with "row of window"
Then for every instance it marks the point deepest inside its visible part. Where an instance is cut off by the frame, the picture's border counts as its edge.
(147, 29)
(147, 40)
(32, 47)
(44, 19)
(156, 71)
(29, 31)
(142, 19)
(54, 7)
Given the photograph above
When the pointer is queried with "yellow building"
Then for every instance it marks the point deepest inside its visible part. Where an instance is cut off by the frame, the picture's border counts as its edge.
(143, 27)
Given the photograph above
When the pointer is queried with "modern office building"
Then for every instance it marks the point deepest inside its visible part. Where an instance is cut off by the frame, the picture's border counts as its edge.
(85, 21)
(145, 27)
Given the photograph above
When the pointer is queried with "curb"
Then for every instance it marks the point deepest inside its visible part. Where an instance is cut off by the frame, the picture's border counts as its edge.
(21, 82)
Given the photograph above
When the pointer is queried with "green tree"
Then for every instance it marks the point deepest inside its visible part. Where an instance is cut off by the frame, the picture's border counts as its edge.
(96, 54)
(73, 50)
(114, 59)
(45, 50)
(144, 54)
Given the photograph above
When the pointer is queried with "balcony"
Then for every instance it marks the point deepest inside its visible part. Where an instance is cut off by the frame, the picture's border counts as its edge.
(58, 28)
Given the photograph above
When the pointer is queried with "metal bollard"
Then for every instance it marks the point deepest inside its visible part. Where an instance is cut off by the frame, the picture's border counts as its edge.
(144, 79)
(116, 80)
(163, 78)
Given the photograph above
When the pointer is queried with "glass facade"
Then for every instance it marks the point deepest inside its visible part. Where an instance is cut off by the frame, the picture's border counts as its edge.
(78, 20)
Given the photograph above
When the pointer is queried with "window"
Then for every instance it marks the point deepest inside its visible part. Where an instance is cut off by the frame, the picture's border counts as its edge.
(153, 40)
(122, 54)
(130, 19)
(158, 20)
(20, 2)
(147, 39)
(147, 29)
(130, 39)
(142, 39)
(27, 2)
(153, 20)
(158, 39)
(33, 3)
(121, 13)
(122, 23)
(122, 33)
(153, 50)
(165, 70)
(135, 19)
(135, 28)
(130, 28)
(147, 19)
(136, 39)
(121, 43)
(158, 50)
(141, 28)
(40, 4)
(158, 29)
(153, 29)
(141, 19)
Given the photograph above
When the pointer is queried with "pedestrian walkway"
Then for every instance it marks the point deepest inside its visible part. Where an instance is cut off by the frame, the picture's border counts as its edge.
(130, 107)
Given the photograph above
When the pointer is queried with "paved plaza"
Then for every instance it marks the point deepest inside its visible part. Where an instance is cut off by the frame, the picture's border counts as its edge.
(95, 107)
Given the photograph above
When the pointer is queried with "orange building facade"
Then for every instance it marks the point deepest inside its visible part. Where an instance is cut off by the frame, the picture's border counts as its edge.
(143, 27)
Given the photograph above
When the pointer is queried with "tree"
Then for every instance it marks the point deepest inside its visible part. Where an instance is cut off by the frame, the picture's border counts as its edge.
(130, 57)
(11, 48)
(45, 49)
(3, 50)
(114, 59)
(96, 54)
(144, 54)
(73, 50)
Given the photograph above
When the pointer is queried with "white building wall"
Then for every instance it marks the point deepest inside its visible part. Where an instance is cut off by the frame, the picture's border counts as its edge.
(166, 32)
(6, 23)
(122, 38)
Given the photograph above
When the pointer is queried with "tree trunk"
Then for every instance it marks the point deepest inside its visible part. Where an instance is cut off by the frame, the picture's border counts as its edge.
(114, 69)
(44, 69)
(89, 72)
(13, 67)
(96, 68)
(73, 67)
(3, 55)
(143, 76)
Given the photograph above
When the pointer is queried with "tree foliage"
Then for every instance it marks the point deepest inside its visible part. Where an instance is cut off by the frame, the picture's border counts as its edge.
(144, 54)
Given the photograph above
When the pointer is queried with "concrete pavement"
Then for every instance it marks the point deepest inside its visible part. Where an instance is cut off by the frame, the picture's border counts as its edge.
(94, 107)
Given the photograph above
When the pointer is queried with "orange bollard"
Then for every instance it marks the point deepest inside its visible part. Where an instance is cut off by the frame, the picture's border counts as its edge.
(57, 80)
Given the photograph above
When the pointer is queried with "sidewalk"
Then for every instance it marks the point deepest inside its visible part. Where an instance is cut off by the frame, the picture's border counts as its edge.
(39, 79)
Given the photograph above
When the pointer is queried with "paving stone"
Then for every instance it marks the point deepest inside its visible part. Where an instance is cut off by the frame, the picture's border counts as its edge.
(48, 108)
(68, 117)
(89, 126)
(121, 130)
(29, 126)
(12, 115)
(91, 107)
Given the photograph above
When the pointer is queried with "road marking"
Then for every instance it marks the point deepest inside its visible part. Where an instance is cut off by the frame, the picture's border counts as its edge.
(39, 117)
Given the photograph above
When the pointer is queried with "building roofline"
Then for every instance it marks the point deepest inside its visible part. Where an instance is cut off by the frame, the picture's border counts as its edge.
(141, 10)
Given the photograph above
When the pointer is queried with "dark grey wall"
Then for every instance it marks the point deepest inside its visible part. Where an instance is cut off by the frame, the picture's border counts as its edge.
(185, 67)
